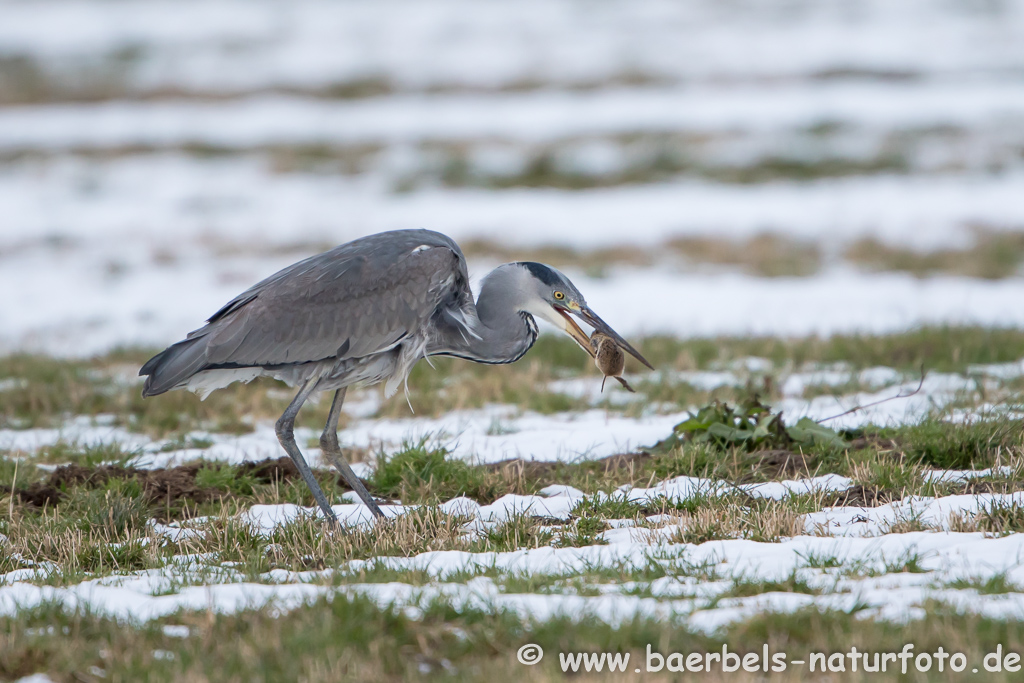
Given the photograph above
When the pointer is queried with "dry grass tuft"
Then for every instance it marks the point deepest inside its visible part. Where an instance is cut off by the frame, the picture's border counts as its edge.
(308, 542)
(765, 255)
(766, 521)
(69, 548)
(993, 255)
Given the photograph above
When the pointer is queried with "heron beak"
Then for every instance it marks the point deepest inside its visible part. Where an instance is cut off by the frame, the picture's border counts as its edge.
(594, 320)
(574, 331)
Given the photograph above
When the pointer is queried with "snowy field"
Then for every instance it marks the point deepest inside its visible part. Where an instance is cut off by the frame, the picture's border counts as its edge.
(807, 201)
(157, 158)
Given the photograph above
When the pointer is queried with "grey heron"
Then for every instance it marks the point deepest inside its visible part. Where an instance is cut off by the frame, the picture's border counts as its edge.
(365, 312)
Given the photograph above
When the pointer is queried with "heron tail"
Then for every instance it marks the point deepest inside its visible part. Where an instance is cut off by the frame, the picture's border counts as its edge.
(173, 366)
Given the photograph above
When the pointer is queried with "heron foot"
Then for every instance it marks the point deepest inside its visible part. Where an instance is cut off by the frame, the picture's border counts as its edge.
(330, 447)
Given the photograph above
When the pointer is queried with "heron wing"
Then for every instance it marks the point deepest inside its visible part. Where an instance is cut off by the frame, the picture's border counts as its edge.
(355, 300)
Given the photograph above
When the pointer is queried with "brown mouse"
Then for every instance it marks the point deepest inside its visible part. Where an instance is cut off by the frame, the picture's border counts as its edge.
(609, 358)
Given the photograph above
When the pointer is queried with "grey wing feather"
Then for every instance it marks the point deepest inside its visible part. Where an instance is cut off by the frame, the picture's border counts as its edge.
(357, 299)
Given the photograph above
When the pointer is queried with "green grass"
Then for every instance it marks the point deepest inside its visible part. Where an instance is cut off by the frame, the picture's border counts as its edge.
(582, 532)
(946, 445)
(423, 473)
(814, 560)
(111, 453)
(226, 478)
(350, 638)
(993, 255)
(942, 349)
(184, 442)
(1001, 518)
(616, 507)
(997, 584)
(888, 464)
(520, 530)
(55, 389)
(99, 523)
(652, 158)
(908, 562)
(745, 588)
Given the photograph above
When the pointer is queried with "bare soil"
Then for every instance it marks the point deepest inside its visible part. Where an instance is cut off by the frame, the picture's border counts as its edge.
(171, 486)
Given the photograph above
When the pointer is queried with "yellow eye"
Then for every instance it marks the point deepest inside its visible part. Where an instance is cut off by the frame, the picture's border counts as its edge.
(559, 296)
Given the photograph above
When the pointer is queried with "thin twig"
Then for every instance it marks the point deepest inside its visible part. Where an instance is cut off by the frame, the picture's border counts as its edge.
(920, 384)
(14, 490)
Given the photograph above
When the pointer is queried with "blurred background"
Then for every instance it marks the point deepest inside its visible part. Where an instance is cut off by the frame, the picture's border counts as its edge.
(699, 168)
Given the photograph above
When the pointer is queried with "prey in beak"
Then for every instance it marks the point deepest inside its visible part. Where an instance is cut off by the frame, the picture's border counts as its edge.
(599, 325)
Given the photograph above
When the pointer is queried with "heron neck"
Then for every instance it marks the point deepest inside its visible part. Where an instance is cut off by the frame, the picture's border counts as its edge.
(503, 331)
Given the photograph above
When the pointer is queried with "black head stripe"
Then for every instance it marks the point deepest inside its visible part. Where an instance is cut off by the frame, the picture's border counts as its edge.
(543, 273)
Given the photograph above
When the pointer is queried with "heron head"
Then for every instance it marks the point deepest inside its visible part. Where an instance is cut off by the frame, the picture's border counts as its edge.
(553, 297)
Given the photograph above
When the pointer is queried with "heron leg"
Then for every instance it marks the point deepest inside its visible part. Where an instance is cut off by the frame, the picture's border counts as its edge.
(330, 447)
(286, 435)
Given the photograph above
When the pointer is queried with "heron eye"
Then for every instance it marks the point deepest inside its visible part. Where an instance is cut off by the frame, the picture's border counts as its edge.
(559, 296)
